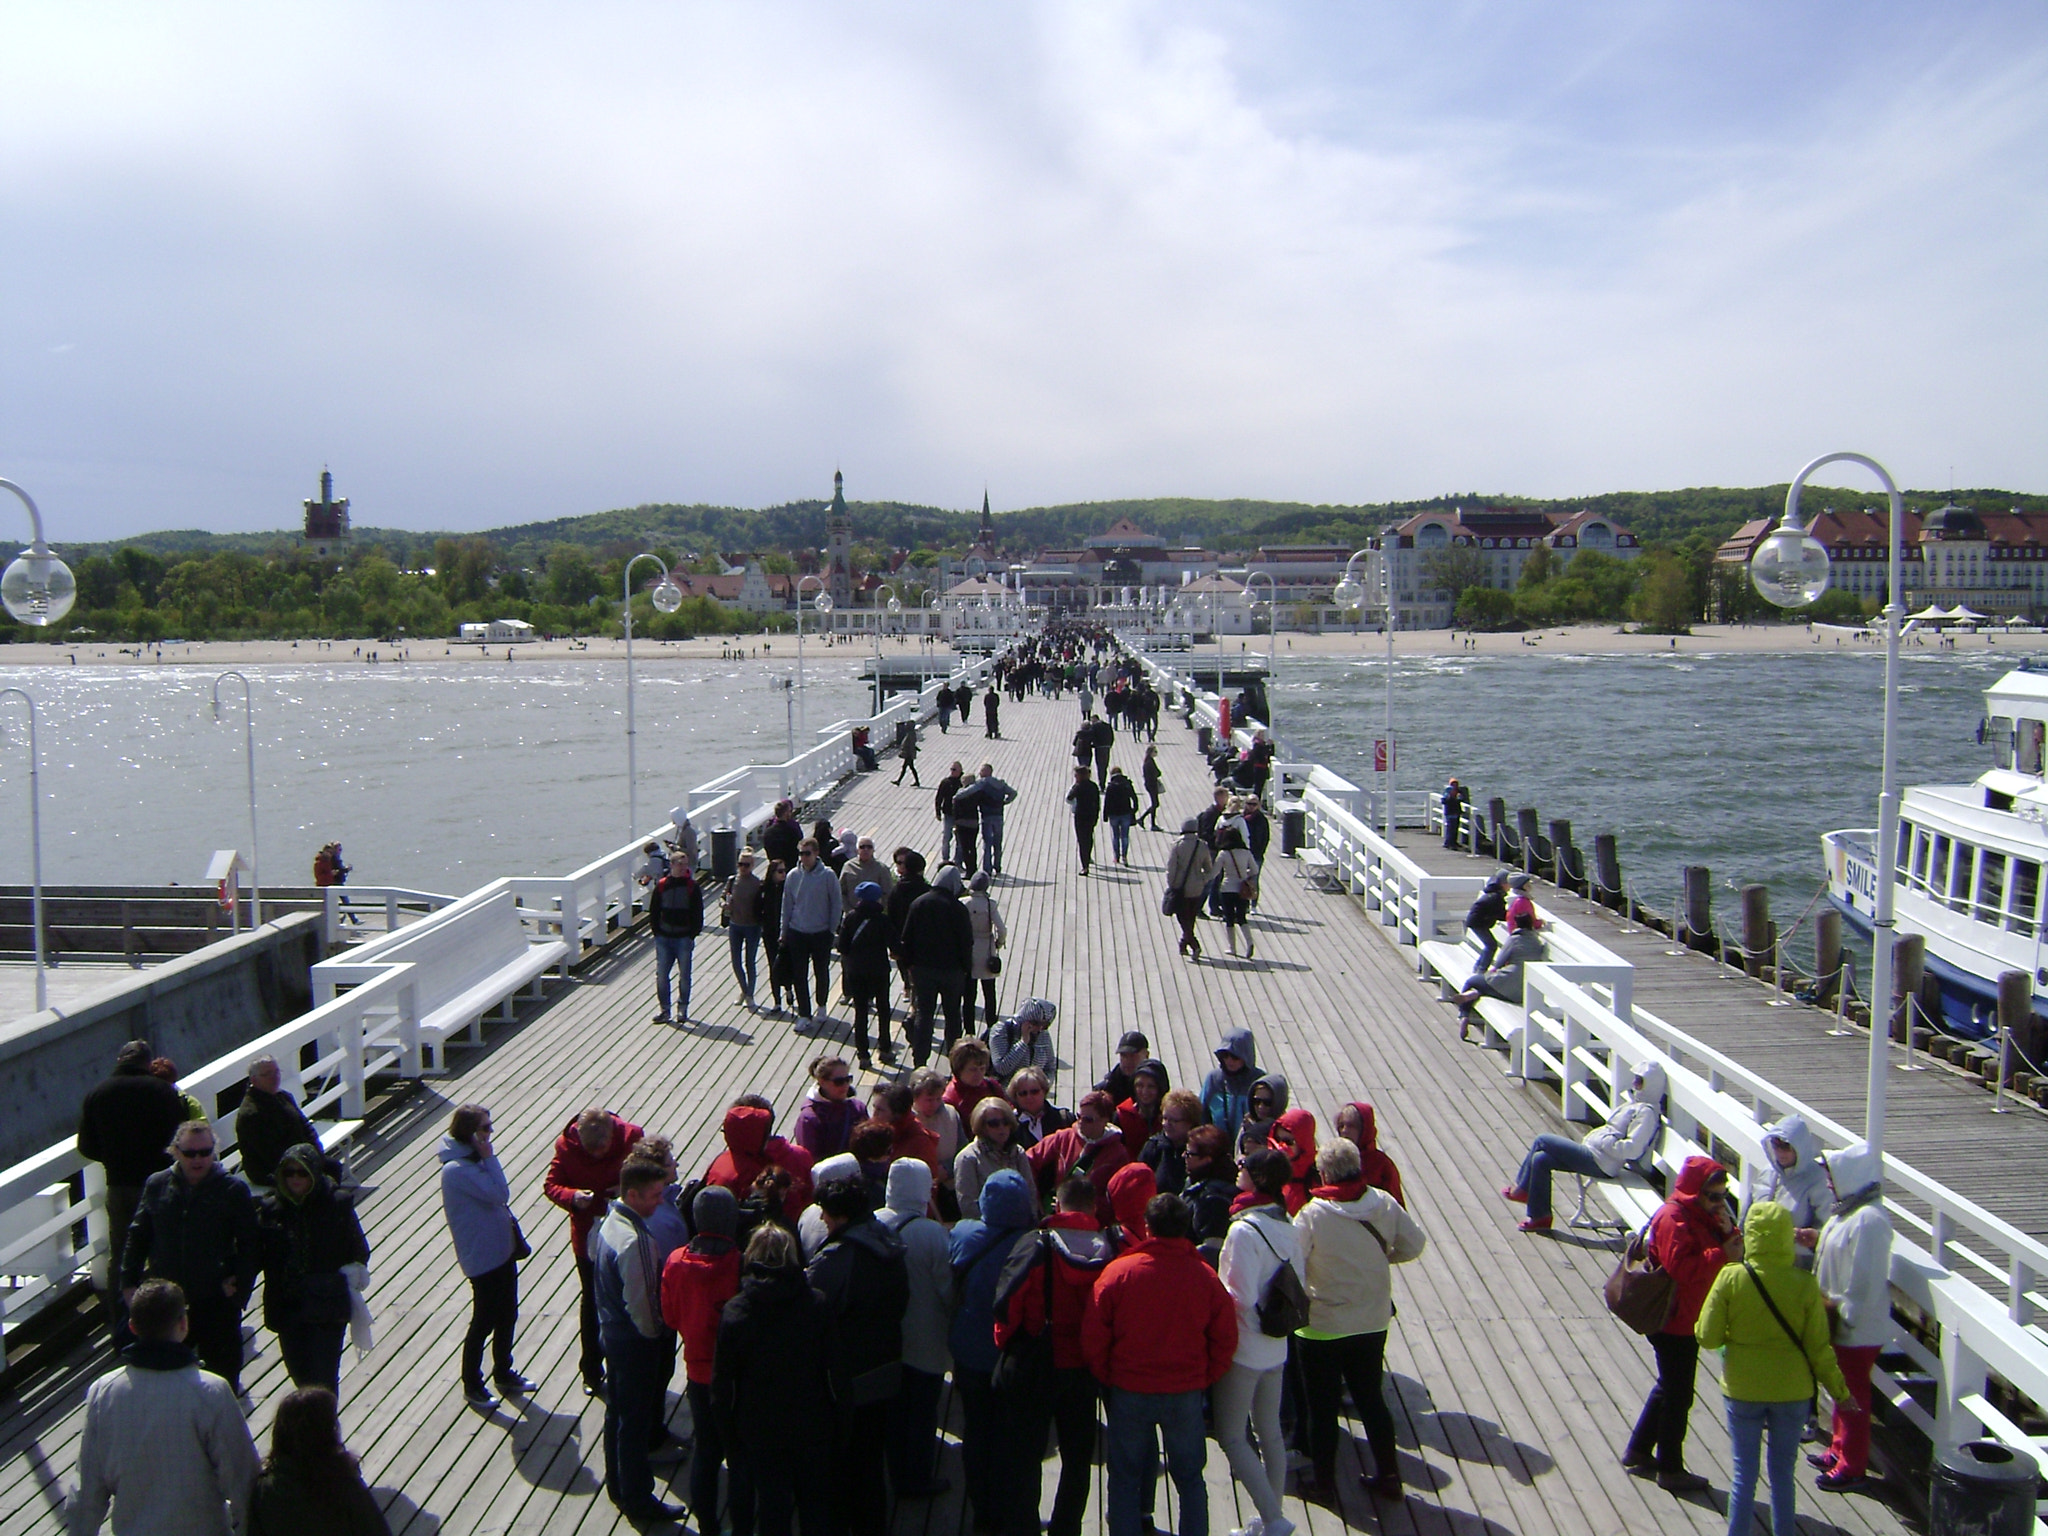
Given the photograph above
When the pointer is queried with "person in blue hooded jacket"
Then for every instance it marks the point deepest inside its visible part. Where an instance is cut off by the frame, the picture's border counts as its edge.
(1227, 1090)
(993, 1455)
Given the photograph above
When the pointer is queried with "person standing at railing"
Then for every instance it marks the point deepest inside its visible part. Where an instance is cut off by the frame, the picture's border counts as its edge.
(811, 909)
(1454, 800)
(675, 913)
(1854, 1266)
(124, 1125)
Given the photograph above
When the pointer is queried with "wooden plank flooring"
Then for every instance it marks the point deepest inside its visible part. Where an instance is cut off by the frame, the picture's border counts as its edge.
(1513, 1389)
(1935, 1119)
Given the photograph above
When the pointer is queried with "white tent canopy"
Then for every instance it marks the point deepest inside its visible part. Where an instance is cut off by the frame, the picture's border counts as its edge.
(1962, 614)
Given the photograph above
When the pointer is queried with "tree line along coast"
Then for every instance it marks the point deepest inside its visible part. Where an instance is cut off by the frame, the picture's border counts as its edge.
(563, 577)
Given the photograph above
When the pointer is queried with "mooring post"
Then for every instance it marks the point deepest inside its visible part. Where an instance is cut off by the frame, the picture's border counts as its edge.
(1607, 869)
(1528, 828)
(1698, 884)
(1560, 855)
(2015, 1011)
(1909, 967)
(1496, 819)
(1756, 928)
(1827, 955)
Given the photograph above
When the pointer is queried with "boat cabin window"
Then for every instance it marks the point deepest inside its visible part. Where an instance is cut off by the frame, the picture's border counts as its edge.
(1962, 874)
(1921, 845)
(1905, 850)
(1937, 867)
(2027, 746)
(2001, 741)
(1991, 888)
(2024, 900)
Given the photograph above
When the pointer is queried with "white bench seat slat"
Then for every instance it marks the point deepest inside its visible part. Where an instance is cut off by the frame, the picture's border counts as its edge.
(470, 962)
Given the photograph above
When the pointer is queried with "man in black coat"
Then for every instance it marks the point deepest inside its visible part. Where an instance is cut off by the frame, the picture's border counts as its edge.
(938, 946)
(1104, 737)
(780, 837)
(1086, 799)
(675, 913)
(910, 884)
(196, 1226)
(124, 1125)
(268, 1121)
(861, 1273)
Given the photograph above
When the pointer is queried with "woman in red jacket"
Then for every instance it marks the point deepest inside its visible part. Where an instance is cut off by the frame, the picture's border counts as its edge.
(696, 1283)
(1693, 1234)
(1294, 1134)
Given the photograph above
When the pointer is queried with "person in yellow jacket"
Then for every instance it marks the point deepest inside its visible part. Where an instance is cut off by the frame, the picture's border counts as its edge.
(1769, 1318)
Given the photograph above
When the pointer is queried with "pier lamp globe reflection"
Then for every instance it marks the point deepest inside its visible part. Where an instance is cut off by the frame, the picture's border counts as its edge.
(1348, 593)
(822, 602)
(668, 597)
(1790, 568)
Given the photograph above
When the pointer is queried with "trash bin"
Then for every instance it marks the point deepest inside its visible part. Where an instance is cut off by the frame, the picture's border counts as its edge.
(1204, 735)
(1982, 1486)
(1293, 829)
(725, 852)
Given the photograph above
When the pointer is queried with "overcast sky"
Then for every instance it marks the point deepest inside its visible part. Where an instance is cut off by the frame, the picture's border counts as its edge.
(496, 262)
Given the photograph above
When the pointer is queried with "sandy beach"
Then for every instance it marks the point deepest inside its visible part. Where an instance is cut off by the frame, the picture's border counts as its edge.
(1574, 640)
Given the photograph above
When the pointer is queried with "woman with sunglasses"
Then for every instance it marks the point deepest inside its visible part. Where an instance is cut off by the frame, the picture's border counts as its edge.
(310, 1235)
(824, 1126)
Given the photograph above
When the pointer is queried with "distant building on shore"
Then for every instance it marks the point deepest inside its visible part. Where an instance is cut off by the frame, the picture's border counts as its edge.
(326, 529)
(1501, 539)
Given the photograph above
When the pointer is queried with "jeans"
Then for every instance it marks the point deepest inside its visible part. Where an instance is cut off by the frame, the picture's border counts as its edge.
(870, 995)
(1489, 945)
(946, 829)
(1252, 1397)
(1547, 1154)
(1150, 815)
(809, 953)
(312, 1354)
(935, 988)
(1084, 838)
(590, 1361)
(632, 1365)
(1747, 1423)
(1355, 1361)
(707, 1455)
(1187, 910)
(1851, 1446)
(913, 1419)
(744, 940)
(1133, 1453)
(215, 1324)
(1660, 1427)
(966, 846)
(992, 844)
(493, 1312)
(680, 953)
(1120, 837)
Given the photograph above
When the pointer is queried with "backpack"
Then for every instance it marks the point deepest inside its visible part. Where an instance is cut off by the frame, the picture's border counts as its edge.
(1283, 1304)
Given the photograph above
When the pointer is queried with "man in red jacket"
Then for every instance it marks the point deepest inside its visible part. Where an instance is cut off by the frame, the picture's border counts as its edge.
(1139, 1336)
(1092, 1143)
(582, 1178)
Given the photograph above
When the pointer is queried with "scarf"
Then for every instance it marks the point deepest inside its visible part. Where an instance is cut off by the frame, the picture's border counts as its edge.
(1349, 1190)
(1248, 1198)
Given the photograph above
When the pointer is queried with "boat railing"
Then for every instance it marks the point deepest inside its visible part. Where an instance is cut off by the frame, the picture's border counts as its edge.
(368, 1031)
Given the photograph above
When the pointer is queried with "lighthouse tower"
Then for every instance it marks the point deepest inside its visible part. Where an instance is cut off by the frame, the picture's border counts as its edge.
(326, 529)
(839, 541)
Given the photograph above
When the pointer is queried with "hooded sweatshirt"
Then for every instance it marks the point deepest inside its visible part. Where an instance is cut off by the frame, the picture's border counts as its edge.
(1131, 1189)
(1803, 1188)
(1686, 1235)
(1632, 1128)
(824, 1126)
(1301, 1162)
(1763, 1365)
(1854, 1260)
(1375, 1166)
(701, 1277)
(1348, 1274)
(1252, 1132)
(477, 1202)
(1225, 1094)
(749, 1149)
(928, 1259)
(979, 1249)
(1138, 1125)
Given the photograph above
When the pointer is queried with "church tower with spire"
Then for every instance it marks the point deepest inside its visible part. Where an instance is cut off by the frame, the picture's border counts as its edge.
(839, 547)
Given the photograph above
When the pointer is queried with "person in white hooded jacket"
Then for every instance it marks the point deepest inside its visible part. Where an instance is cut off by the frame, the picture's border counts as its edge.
(1629, 1133)
(913, 1415)
(1854, 1267)
(1259, 1241)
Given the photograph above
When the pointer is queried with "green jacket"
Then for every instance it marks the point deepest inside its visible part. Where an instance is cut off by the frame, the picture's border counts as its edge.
(1762, 1364)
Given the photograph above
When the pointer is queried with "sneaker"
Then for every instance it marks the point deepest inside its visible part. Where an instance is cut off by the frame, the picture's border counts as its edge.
(1841, 1482)
(662, 1018)
(1825, 1460)
(1252, 1527)
(512, 1384)
(477, 1395)
(1534, 1224)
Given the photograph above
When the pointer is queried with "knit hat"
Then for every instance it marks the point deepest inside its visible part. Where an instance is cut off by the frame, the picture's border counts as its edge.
(715, 1213)
(1038, 1010)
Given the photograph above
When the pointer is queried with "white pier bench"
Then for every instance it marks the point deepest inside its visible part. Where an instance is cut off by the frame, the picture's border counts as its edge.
(1573, 954)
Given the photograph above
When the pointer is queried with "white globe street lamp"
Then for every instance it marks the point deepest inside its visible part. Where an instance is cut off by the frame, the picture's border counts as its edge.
(37, 587)
(823, 603)
(1790, 568)
(667, 598)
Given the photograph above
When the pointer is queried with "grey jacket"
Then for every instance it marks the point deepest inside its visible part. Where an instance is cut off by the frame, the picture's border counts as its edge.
(477, 1202)
(166, 1447)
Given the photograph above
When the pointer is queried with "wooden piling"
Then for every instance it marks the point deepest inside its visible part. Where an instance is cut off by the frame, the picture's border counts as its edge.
(1697, 909)
(2015, 1017)
(1909, 970)
(1756, 928)
(1496, 819)
(1528, 827)
(1607, 886)
(1827, 955)
(1571, 874)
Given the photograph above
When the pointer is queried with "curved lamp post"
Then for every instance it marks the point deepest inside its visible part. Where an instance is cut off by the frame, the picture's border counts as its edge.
(249, 750)
(1272, 639)
(823, 603)
(35, 839)
(37, 587)
(667, 598)
(1349, 594)
(1790, 569)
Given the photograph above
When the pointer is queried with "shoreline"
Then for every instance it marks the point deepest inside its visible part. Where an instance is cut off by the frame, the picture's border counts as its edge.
(1574, 640)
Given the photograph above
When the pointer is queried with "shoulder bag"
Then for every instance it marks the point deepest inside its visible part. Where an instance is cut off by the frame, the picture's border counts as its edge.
(1797, 1343)
(1640, 1292)
(1024, 1371)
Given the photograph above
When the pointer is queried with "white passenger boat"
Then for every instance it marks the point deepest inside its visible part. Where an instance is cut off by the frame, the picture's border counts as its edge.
(1968, 874)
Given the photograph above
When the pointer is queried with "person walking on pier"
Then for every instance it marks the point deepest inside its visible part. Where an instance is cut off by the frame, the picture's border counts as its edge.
(991, 713)
(810, 922)
(1237, 886)
(196, 1227)
(124, 1125)
(942, 807)
(945, 703)
(990, 934)
(1188, 868)
(1693, 1236)
(938, 945)
(311, 1237)
(675, 913)
(864, 866)
(1155, 786)
(1086, 800)
(477, 1202)
(741, 914)
(1260, 1240)
(1104, 738)
(992, 797)
(967, 825)
(906, 740)
(1120, 806)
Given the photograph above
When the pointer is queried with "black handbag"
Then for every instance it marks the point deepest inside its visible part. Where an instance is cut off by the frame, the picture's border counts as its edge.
(995, 964)
(521, 1248)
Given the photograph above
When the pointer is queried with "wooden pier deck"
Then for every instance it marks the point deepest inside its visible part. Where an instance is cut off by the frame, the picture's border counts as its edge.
(1936, 1119)
(1513, 1389)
